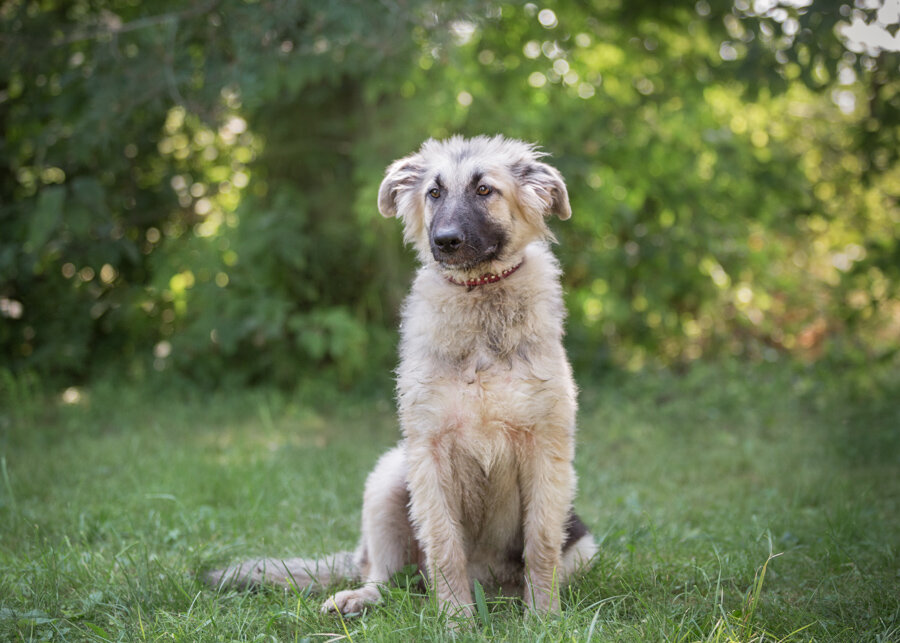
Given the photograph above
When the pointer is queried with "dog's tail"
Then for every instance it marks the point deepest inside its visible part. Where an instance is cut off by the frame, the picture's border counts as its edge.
(288, 572)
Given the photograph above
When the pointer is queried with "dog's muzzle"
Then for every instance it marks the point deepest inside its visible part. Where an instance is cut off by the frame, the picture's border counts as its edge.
(464, 237)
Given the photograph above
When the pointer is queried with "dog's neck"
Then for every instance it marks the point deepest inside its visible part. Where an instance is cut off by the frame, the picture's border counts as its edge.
(486, 278)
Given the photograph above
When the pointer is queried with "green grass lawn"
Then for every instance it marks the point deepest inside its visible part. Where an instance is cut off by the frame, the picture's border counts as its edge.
(111, 504)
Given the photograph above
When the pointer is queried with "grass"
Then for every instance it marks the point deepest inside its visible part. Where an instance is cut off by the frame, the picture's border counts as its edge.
(733, 503)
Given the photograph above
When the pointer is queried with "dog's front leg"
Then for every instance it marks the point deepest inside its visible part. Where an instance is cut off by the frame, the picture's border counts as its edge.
(436, 510)
(547, 481)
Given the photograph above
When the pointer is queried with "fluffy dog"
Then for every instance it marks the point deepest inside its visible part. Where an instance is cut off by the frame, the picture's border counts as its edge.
(482, 483)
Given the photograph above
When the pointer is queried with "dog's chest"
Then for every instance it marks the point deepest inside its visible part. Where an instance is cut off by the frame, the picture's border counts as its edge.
(484, 369)
(480, 367)
(492, 391)
(488, 408)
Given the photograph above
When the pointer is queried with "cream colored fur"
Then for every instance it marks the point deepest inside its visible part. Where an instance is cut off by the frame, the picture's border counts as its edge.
(482, 483)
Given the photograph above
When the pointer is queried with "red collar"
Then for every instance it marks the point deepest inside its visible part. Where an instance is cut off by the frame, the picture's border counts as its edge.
(486, 278)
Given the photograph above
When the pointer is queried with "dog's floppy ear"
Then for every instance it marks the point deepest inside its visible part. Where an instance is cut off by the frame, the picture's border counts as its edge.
(544, 187)
(400, 176)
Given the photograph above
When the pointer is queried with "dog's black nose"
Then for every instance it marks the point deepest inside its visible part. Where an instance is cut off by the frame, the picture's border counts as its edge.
(448, 239)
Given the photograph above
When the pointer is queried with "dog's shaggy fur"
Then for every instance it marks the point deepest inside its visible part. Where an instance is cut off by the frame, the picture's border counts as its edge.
(481, 486)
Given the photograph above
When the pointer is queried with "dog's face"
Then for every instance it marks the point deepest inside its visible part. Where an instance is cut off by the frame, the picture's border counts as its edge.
(472, 205)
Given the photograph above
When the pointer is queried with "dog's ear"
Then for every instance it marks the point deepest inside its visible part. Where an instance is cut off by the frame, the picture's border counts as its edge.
(544, 187)
(401, 176)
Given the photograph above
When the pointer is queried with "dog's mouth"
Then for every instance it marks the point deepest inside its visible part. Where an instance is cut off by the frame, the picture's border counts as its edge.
(468, 261)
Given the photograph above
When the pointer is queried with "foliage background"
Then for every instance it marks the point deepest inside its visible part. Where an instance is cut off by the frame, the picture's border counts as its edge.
(191, 185)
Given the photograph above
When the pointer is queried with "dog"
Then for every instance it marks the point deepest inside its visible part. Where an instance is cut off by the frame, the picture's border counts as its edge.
(482, 483)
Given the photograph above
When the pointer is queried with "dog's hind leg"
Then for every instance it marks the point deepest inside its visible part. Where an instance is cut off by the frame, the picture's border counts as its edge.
(388, 542)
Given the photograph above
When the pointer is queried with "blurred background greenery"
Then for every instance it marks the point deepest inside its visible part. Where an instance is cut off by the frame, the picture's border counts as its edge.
(191, 186)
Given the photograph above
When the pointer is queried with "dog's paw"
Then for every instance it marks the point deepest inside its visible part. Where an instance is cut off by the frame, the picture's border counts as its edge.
(351, 600)
(542, 603)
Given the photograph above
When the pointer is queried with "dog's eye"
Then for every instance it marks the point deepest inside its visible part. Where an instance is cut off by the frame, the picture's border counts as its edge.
(434, 193)
(483, 190)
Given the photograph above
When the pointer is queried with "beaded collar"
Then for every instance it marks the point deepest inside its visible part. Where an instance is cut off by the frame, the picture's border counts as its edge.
(487, 278)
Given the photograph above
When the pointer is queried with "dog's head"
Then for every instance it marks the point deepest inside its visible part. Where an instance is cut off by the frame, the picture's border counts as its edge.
(472, 205)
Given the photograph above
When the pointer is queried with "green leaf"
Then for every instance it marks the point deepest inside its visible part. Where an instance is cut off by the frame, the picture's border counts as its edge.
(45, 217)
(99, 631)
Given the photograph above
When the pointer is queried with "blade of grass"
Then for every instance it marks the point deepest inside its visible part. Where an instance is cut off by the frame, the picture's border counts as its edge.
(481, 604)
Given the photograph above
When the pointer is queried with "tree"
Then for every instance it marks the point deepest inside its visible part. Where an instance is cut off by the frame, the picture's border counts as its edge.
(194, 186)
